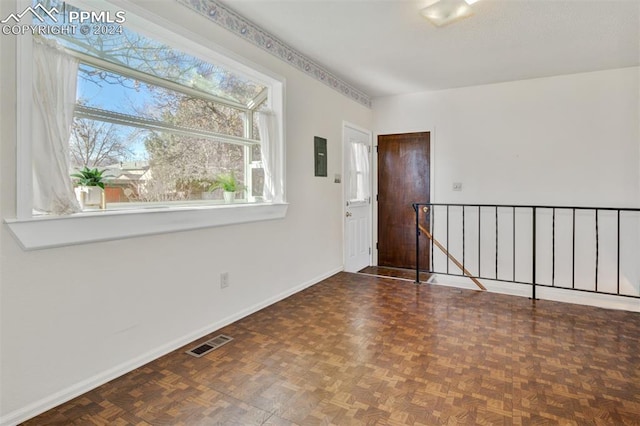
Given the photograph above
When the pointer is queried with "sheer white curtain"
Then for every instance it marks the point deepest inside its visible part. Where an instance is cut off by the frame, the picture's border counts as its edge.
(54, 95)
(359, 188)
(271, 152)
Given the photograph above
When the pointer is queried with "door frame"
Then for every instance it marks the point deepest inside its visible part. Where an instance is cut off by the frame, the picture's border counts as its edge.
(374, 174)
(369, 133)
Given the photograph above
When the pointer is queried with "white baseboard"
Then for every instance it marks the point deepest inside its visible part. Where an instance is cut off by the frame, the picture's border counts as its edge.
(591, 299)
(67, 394)
(546, 293)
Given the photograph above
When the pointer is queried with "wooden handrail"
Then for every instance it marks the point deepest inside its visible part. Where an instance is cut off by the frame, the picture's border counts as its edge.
(450, 256)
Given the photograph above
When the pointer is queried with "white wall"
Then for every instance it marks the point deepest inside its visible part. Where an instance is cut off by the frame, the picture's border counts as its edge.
(146, 295)
(566, 140)
(569, 140)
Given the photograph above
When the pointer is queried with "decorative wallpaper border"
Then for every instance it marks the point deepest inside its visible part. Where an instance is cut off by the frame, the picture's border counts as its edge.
(234, 22)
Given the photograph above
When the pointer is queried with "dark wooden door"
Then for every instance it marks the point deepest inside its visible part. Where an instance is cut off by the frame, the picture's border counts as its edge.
(403, 179)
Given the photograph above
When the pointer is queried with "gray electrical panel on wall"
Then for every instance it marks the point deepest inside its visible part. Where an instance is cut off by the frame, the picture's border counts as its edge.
(320, 155)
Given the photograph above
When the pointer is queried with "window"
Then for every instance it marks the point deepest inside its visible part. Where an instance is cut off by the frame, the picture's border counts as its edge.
(161, 124)
(160, 113)
(358, 190)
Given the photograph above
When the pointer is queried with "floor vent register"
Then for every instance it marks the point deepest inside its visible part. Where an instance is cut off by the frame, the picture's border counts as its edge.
(209, 345)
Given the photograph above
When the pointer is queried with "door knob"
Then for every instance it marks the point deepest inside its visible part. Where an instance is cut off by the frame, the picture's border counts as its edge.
(425, 209)
(348, 214)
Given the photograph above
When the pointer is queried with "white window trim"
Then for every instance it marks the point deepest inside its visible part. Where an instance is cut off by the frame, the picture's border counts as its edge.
(39, 232)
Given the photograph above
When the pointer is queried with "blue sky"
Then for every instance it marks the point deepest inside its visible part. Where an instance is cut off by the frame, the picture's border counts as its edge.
(118, 98)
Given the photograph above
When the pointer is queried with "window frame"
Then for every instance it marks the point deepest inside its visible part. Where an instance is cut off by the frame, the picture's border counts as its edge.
(36, 232)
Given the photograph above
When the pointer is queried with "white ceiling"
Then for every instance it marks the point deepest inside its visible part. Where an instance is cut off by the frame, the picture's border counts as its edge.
(385, 47)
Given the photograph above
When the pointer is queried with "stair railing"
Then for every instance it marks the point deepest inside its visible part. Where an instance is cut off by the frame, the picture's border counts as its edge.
(588, 249)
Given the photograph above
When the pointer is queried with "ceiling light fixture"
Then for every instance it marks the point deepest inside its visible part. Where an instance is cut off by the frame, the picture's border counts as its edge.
(443, 12)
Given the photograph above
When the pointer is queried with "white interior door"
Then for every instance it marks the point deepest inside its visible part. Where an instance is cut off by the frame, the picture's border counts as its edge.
(357, 195)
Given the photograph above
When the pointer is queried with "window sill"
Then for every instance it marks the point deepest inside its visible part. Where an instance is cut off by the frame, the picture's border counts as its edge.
(59, 231)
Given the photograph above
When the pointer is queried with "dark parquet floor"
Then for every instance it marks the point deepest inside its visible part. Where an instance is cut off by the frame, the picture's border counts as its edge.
(361, 350)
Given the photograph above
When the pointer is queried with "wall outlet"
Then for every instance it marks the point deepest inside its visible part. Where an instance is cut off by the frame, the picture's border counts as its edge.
(457, 186)
(224, 280)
